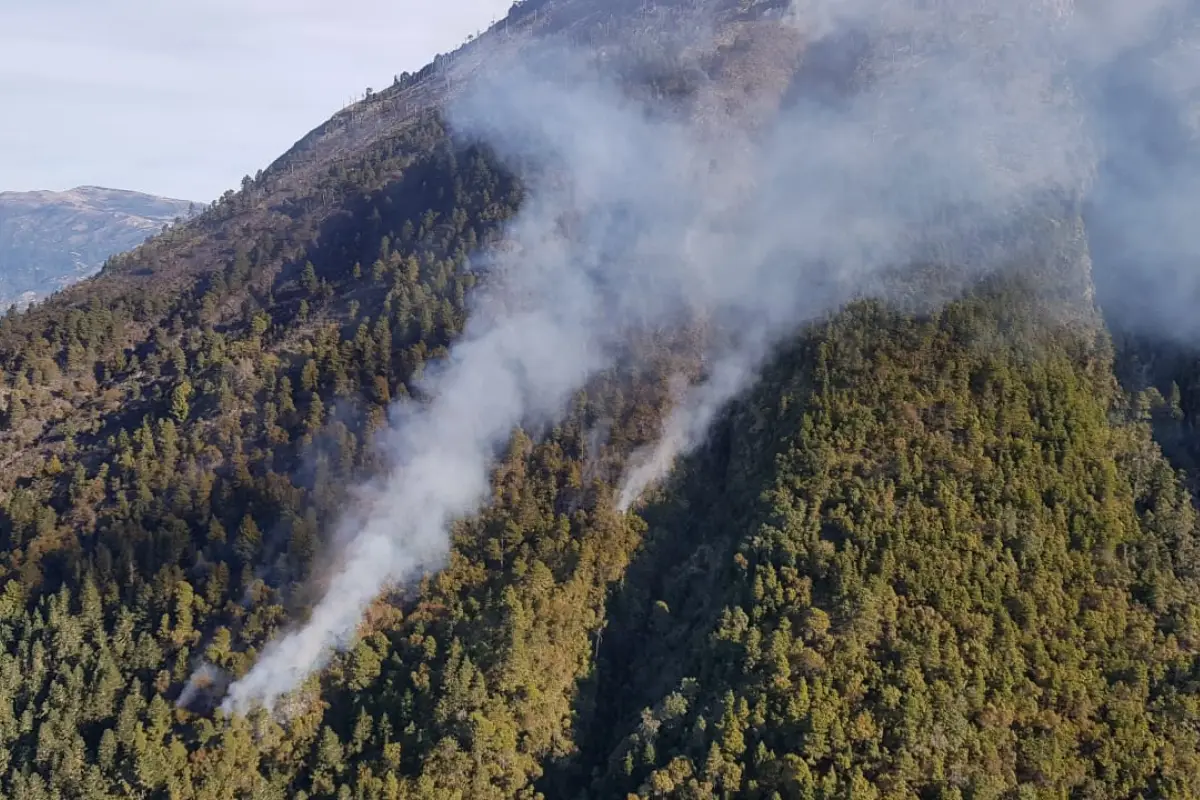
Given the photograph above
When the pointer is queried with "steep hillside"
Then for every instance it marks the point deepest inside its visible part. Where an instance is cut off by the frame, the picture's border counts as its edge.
(49, 240)
(915, 565)
(933, 551)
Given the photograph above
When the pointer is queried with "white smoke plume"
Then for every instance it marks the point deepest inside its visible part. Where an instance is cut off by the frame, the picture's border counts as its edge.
(687, 423)
(914, 127)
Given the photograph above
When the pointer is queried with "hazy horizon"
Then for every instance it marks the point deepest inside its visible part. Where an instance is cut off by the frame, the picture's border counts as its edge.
(182, 101)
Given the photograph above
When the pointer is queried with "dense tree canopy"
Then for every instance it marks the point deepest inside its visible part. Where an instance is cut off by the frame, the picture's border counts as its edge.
(933, 555)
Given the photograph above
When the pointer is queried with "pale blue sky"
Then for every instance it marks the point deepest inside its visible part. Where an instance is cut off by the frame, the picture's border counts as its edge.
(184, 97)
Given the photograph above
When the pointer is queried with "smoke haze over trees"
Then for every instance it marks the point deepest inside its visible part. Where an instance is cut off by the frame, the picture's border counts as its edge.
(963, 121)
(701, 400)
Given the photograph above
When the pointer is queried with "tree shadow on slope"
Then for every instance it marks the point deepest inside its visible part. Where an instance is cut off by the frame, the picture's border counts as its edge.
(661, 616)
(664, 654)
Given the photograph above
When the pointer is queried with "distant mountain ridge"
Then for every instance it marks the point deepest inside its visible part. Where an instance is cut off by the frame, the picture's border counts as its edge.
(49, 240)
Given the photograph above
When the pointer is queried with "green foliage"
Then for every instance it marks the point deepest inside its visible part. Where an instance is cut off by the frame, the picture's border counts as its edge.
(935, 568)
(181, 396)
(926, 557)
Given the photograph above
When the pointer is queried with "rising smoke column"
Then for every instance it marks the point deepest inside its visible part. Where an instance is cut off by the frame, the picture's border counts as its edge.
(554, 316)
(1113, 81)
(960, 121)
(1141, 215)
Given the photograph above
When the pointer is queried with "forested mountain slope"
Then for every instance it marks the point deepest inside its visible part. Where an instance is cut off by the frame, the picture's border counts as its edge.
(934, 552)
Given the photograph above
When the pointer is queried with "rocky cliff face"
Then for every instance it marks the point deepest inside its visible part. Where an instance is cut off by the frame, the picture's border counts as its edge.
(49, 240)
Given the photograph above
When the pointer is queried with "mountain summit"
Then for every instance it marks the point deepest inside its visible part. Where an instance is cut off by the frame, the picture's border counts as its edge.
(49, 240)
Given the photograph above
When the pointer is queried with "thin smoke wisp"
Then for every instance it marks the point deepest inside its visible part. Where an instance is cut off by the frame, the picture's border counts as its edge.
(954, 121)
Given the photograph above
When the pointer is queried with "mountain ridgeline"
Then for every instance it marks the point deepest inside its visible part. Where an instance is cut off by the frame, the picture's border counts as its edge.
(940, 543)
(49, 240)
